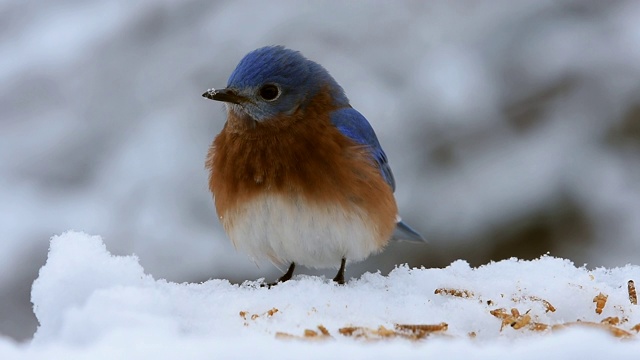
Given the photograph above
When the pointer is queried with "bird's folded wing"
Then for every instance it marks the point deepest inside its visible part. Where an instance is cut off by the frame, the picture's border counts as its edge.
(355, 126)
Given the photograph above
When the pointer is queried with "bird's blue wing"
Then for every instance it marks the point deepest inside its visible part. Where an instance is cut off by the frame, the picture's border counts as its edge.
(356, 127)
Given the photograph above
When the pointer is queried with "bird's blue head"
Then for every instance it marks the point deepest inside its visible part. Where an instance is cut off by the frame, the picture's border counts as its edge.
(272, 81)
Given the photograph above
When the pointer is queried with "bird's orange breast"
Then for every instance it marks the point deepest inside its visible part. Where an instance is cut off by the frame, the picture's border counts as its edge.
(301, 157)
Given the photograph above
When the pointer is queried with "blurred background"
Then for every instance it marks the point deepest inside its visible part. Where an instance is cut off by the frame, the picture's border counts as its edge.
(512, 127)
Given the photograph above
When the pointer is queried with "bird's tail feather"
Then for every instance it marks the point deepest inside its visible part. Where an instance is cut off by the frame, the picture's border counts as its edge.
(405, 232)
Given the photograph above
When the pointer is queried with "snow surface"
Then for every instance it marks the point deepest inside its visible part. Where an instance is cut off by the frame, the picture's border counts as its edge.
(92, 304)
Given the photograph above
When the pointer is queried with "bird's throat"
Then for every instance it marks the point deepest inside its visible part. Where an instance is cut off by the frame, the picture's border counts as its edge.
(239, 121)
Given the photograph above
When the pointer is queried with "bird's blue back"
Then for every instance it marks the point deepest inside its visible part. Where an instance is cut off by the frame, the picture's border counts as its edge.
(355, 126)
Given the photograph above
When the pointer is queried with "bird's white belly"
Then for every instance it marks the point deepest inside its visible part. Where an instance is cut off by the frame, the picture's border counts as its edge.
(287, 230)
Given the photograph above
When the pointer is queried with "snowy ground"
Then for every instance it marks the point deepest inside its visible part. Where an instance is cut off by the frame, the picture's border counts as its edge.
(92, 304)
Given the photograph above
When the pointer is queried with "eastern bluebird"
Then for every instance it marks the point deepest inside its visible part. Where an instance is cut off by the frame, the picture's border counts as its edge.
(298, 176)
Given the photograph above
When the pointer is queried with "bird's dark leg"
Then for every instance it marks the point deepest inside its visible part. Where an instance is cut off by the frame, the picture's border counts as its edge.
(287, 276)
(340, 276)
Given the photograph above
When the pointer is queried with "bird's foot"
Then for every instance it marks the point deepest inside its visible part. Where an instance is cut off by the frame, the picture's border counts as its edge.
(340, 276)
(287, 276)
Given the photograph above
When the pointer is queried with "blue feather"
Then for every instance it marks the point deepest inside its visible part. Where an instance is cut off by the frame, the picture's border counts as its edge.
(355, 126)
(298, 78)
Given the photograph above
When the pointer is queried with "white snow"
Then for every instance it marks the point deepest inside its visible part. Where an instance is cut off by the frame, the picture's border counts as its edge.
(92, 304)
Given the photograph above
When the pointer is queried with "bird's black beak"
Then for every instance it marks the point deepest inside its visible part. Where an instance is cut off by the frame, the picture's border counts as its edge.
(226, 95)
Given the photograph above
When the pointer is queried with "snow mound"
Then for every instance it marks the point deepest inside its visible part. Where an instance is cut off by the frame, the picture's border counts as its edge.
(90, 302)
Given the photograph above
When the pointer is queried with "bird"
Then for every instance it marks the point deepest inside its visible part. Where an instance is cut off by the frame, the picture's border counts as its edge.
(298, 176)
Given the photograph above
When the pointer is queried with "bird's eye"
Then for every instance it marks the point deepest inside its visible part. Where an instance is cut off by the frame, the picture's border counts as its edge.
(269, 92)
